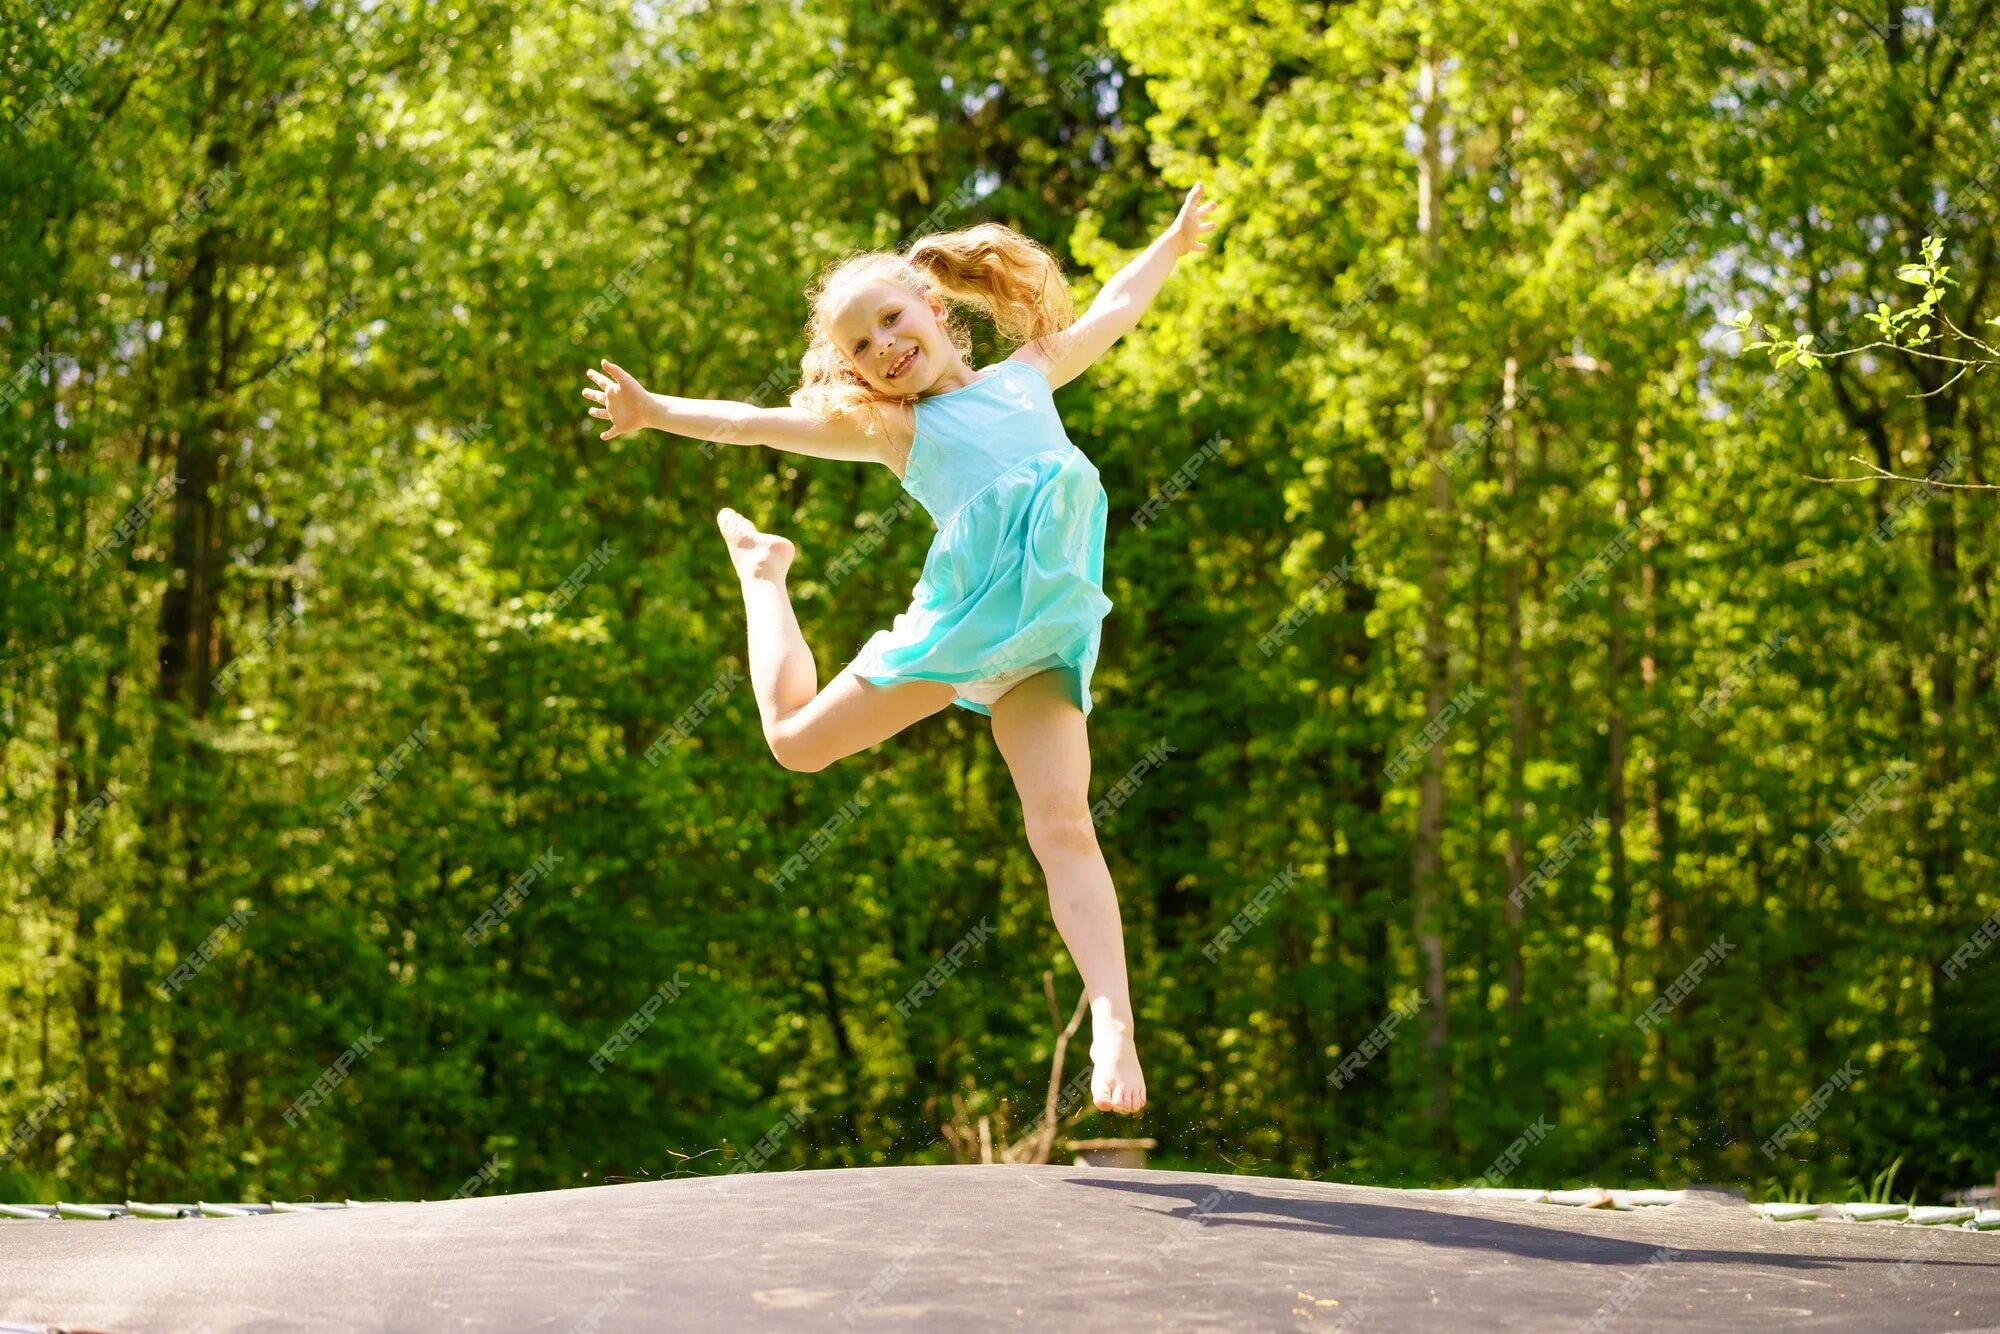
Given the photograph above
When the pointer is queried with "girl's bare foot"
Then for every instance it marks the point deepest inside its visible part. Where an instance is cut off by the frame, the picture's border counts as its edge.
(756, 555)
(1116, 1082)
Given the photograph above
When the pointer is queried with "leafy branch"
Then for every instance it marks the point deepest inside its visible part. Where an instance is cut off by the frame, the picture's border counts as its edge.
(1912, 330)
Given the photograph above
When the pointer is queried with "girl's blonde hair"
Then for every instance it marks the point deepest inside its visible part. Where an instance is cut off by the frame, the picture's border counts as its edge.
(992, 268)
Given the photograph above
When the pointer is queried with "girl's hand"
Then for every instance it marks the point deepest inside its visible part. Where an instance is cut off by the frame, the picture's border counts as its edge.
(623, 401)
(1192, 224)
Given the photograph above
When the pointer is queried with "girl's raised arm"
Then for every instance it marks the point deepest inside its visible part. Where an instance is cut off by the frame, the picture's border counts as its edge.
(628, 406)
(1064, 355)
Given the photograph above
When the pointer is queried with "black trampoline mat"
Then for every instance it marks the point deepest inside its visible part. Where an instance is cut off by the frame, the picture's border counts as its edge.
(1072, 1248)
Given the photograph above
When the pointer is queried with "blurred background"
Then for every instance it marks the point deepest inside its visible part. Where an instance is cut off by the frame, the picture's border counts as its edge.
(1513, 765)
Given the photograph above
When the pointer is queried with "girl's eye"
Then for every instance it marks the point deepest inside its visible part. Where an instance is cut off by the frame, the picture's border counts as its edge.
(892, 317)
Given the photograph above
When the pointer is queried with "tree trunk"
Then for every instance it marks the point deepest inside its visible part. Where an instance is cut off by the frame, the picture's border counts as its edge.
(1427, 856)
(1517, 709)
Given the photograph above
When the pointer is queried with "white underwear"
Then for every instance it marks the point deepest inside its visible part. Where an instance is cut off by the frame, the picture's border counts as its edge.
(993, 687)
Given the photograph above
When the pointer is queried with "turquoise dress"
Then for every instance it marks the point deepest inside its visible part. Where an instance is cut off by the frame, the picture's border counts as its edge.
(1015, 576)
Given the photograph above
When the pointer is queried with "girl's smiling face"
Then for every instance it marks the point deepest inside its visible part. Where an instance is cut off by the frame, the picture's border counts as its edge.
(892, 338)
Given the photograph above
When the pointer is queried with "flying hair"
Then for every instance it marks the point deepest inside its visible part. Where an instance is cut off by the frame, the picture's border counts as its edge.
(991, 268)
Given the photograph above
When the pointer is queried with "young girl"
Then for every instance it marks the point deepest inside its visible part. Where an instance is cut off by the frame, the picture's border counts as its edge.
(1006, 616)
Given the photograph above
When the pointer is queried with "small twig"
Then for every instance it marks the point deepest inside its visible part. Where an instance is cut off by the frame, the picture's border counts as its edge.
(1941, 388)
(1897, 347)
(1881, 475)
(1046, 1141)
(1980, 343)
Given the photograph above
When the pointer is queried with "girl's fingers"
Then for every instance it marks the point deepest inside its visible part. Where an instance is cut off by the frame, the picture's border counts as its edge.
(594, 395)
(601, 412)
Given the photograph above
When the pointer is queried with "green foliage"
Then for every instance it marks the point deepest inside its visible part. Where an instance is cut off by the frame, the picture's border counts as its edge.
(324, 292)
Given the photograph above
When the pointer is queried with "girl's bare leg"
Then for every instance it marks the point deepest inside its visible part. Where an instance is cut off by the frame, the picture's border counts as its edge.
(1040, 732)
(809, 728)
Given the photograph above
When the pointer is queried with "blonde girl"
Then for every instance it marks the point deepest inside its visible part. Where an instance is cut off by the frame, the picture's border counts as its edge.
(1005, 619)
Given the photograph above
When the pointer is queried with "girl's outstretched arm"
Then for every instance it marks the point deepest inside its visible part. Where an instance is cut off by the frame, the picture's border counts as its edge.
(1065, 355)
(628, 406)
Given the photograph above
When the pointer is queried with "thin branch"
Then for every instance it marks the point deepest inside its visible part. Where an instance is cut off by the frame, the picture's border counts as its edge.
(1046, 1141)
(1941, 388)
(1981, 344)
(1883, 475)
(1898, 347)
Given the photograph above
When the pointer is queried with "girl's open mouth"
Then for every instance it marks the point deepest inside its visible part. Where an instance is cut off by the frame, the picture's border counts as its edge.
(900, 364)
